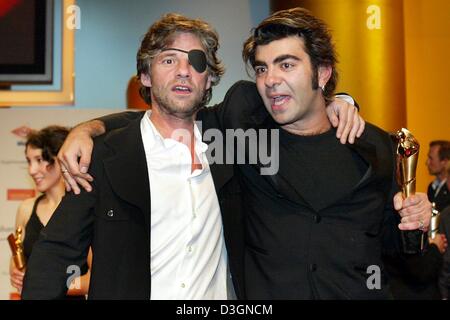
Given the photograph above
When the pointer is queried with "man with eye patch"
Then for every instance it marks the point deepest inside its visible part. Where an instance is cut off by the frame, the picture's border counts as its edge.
(155, 166)
(152, 216)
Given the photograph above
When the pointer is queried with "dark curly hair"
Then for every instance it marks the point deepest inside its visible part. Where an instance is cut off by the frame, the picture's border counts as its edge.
(315, 34)
(50, 139)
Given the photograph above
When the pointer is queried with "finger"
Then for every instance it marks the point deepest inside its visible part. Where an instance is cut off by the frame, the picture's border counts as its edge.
(418, 198)
(84, 183)
(398, 201)
(17, 273)
(334, 120)
(362, 125)
(16, 283)
(71, 182)
(414, 214)
(348, 125)
(416, 218)
(415, 210)
(411, 226)
(71, 164)
(62, 161)
(68, 187)
(412, 200)
(342, 122)
(355, 127)
(86, 176)
(85, 161)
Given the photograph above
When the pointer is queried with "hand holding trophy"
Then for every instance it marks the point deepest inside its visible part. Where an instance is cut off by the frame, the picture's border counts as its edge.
(16, 245)
(407, 157)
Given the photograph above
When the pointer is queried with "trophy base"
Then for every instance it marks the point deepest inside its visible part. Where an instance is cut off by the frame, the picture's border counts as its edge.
(413, 242)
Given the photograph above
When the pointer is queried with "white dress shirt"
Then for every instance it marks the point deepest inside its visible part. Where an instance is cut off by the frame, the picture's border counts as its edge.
(188, 255)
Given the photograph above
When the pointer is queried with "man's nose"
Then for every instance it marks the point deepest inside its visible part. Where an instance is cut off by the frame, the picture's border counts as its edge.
(184, 69)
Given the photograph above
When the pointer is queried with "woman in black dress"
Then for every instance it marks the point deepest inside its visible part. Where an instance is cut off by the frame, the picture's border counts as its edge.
(33, 214)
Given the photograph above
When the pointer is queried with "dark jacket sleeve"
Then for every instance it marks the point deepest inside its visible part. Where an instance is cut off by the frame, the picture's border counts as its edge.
(346, 94)
(241, 101)
(391, 241)
(119, 120)
(240, 109)
(63, 243)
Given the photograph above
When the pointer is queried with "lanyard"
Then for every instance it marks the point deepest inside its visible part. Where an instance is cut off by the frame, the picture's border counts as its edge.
(439, 187)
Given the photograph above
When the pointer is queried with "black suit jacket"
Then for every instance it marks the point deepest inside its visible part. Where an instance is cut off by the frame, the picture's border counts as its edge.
(298, 249)
(115, 217)
(112, 218)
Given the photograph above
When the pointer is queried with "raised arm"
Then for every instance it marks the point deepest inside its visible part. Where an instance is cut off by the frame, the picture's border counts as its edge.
(242, 105)
(75, 154)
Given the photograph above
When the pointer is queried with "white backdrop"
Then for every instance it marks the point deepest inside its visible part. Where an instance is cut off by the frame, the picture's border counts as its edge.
(15, 183)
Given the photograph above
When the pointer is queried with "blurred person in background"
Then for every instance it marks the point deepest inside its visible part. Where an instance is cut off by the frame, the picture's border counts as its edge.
(33, 214)
(438, 158)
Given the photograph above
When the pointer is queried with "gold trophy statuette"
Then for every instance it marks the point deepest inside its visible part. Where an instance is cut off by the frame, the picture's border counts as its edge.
(407, 157)
(434, 223)
(16, 245)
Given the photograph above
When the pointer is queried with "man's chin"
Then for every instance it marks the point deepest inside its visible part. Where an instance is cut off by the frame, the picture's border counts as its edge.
(280, 118)
(183, 112)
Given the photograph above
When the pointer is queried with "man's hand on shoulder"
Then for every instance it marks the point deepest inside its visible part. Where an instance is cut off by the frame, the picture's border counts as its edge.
(75, 155)
(345, 116)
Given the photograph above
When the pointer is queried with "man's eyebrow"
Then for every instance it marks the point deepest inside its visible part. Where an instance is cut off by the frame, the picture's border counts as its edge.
(259, 63)
(167, 53)
(285, 57)
(277, 60)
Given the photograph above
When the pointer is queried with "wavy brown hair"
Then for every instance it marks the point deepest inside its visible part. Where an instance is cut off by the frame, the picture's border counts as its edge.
(161, 34)
(314, 32)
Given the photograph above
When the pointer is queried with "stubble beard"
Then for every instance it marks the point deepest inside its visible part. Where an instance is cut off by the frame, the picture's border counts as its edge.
(182, 109)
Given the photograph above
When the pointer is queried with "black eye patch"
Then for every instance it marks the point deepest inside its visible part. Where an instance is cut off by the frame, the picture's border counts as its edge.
(197, 58)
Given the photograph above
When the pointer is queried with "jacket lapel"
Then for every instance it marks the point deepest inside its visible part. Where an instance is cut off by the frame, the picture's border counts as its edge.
(127, 168)
(368, 153)
(221, 173)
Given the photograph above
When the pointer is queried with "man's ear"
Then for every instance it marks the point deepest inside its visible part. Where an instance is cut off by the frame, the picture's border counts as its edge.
(324, 74)
(208, 82)
(146, 80)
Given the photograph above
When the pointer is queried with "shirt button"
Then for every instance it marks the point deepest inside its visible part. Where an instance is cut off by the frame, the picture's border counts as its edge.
(189, 249)
(110, 213)
(183, 285)
(317, 218)
(312, 267)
